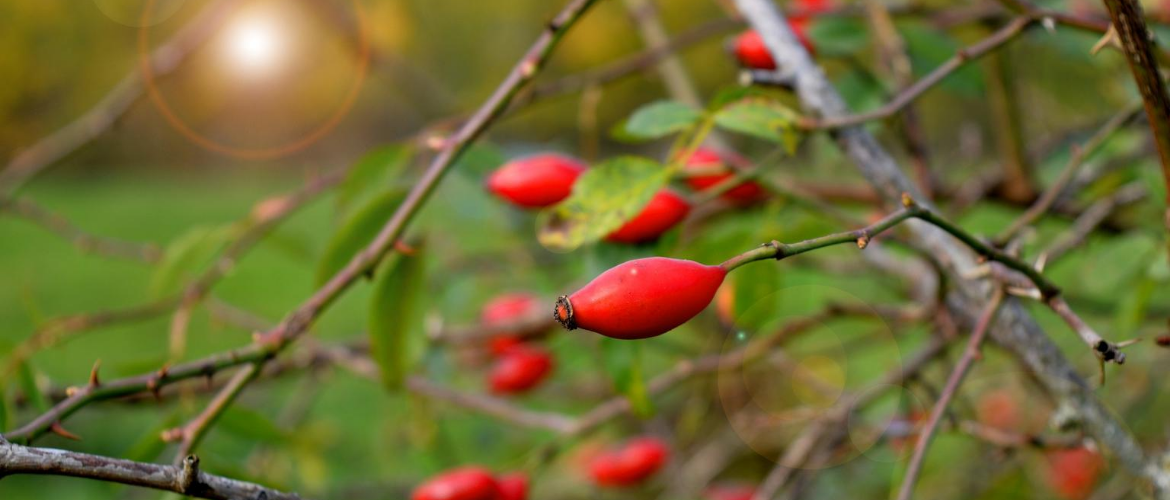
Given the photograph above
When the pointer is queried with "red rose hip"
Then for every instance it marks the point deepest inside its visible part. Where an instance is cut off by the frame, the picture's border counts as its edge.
(536, 181)
(520, 369)
(1073, 472)
(632, 464)
(712, 168)
(641, 298)
(663, 211)
(752, 53)
(464, 483)
(512, 309)
(513, 486)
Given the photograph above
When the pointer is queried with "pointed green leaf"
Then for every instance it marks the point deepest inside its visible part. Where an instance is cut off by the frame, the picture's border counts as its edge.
(604, 198)
(376, 171)
(659, 119)
(187, 256)
(357, 232)
(762, 119)
(395, 314)
(623, 361)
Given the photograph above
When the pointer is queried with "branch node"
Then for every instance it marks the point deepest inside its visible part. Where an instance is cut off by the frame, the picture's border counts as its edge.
(862, 242)
(908, 201)
(188, 474)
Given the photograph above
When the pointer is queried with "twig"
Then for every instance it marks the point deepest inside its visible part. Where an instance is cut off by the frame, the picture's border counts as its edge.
(798, 452)
(1091, 218)
(84, 241)
(1079, 155)
(163, 60)
(185, 479)
(1137, 43)
(191, 434)
(907, 96)
(948, 393)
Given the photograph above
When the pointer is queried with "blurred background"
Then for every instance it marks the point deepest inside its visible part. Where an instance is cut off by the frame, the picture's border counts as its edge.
(278, 92)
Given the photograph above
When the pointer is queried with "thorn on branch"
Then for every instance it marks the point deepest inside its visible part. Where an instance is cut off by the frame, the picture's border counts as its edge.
(57, 429)
(94, 381)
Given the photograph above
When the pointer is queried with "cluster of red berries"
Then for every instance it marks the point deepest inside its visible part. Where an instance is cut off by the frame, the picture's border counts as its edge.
(520, 365)
(749, 46)
(472, 483)
(546, 179)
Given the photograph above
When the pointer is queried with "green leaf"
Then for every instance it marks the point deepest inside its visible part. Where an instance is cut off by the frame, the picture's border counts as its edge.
(377, 170)
(929, 47)
(660, 119)
(357, 232)
(623, 361)
(188, 255)
(395, 313)
(762, 119)
(604, 198)
(32, 392)
(838, 35)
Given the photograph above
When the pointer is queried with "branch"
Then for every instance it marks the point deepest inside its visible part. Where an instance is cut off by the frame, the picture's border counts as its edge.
(1137, 43)
(191, 434)
(907, 96)
(185, 479)
(163, 60)
(948, 393)
(84, 241)
(1079, 155)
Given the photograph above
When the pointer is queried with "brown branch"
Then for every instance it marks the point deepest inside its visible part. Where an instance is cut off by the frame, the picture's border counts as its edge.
(1079, 155)
(907, 96)
(191, 434)
(1138, 46)
(185, 479)
(953, 381)
(82, 240)
(165, 59)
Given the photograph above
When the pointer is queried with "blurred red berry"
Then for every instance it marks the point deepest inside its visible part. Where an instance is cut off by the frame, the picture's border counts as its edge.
(730, 492)
(510, 308)
(513, 486)
(752, 53)
(999, 409)
(1073, 472)
(712, 168)
(663, 211)
(536, 181)
(464, 483)
(520, 369)
(641, 298)
(633, 463)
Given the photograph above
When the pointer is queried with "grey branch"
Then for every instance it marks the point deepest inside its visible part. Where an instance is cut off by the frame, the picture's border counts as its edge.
(184, 479)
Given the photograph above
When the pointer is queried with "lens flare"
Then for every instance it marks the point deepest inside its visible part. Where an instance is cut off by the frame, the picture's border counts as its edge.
(255, 44)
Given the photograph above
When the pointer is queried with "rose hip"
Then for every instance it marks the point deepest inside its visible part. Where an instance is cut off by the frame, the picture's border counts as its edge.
(663, 211)
(631, 464)
(513, 486)
(464, 483)
(641, 298)
(712, 168)
(520, 369)
(536, 181)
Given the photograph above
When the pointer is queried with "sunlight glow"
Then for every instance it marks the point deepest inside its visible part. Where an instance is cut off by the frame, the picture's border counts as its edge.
(255, 44)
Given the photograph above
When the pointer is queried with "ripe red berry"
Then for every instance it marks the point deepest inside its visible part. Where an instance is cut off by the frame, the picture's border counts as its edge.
(464, 483)
(510, 309)
(712, 168)
(1073, 472)
(999, 409)
(663, 211)
(631, 464)
(641, 298)
(730, 492)
(521, 368)
(752, 53)
(513, 486)
(536, 181)
(814, 7)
